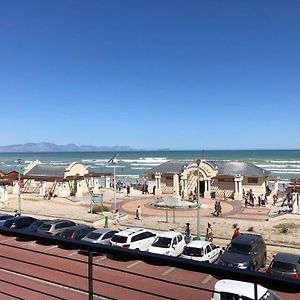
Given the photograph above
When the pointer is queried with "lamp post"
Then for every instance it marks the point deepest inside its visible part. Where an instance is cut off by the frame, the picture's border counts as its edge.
(114, 161)
(19, 192)
(198, 162)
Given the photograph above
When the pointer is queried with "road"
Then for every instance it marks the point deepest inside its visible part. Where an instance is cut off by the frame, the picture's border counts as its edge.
(114, 278)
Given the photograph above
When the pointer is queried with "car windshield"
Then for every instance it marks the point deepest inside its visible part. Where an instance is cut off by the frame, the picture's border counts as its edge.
(191, 251)
(34, 226)
(93, 236)
(283, 267)
(162, 242)
(239, 248)
(119, 239)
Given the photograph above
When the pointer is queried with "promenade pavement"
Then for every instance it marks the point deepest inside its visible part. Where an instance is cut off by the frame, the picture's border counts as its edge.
(253, 219)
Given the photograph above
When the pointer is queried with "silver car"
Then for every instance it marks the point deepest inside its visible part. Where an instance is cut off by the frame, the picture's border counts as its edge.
(100, 236)
(55, 227)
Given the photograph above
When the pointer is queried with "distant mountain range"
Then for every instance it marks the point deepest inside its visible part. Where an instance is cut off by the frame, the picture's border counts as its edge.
(50, 147)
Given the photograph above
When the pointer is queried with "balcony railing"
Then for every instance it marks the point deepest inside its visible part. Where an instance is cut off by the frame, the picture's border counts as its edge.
(277, 283)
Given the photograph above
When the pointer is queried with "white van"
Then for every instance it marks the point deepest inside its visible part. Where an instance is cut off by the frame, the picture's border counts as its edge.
(227, 289)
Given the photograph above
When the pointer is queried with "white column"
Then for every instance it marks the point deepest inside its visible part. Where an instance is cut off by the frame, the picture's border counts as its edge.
(42, 188)
(5, 194)
(184, 185)
(60, 189)
(2, 193)
(295, 204)
(207, 188)
(79, 191)
(64, 190)
(238, 195)
(158, 184)
(15, 187)
(96, 185)
(107, 182)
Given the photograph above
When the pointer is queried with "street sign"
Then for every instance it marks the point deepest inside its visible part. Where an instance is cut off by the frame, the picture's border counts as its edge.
(97, 198)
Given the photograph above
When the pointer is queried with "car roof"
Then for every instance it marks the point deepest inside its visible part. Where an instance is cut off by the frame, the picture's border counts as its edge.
(246, 238)
(131, 231)
(169, 234)
(19, 218)
(241, 288)
(57, 221)
(198, 244)
(287, 257)
(103, 230)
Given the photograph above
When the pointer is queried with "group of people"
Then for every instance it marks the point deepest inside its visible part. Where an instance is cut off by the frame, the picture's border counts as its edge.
(208, 236)
(250, 199)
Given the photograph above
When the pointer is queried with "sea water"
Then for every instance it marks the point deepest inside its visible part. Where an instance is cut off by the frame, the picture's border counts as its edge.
(284, 164)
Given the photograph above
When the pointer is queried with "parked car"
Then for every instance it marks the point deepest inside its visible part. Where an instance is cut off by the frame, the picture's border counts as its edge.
(202, 251)
(32, 228)
(248, 251)
(168, 243)
(4, 217)
(226, 289)
(100, 236)
(76, 232)
(133, 238)
(54, 227)
(18, 222)
(285, 264)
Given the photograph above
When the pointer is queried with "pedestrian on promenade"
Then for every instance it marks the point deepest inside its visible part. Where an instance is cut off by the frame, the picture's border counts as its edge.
(216, 208)
(236, 233)
(138, 213)
(187, 233)
(209, 233)
(117, 217)
(128, 190)
(275, 198)
(219, 208)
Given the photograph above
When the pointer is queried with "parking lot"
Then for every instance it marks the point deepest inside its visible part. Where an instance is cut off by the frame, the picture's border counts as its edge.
(117, 279)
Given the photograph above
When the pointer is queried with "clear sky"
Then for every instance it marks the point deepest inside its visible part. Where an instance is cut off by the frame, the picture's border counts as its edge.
(151, 74)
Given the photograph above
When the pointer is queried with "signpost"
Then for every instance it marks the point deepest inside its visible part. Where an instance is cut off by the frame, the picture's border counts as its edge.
(96, 200)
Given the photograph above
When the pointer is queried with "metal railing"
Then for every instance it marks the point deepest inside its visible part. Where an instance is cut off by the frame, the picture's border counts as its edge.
(269, 281)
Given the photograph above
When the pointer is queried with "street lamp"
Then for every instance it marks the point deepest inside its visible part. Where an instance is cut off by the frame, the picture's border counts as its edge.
(19, 192)
(114, 161)
(198, 162)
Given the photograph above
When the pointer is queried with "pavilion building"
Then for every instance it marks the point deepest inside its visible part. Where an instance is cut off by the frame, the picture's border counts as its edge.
(216, 178)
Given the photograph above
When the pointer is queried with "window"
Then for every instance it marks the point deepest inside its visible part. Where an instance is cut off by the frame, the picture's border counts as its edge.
(148, 235)
(208, 249)
(109, 235)
(213, 246)
(179, 238)
(175, 242)
(252, 180)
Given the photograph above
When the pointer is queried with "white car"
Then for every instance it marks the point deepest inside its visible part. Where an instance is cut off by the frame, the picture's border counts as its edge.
(239, 290)
(133, 238)
(168, 243)
(202, 251)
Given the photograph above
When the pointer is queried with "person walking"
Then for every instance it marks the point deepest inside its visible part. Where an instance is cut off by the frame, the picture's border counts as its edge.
(219, 208)
(138, 213)
(117, 217)
(187, 233)
(128, 190)
(236, 233)
(209, 233)
(216, 208)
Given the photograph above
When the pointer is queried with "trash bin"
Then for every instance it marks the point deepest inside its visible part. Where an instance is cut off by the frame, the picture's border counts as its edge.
(213, 195)
(196, 238)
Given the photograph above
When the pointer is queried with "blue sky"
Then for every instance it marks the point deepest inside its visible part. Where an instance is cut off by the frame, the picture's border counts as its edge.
(151, 74)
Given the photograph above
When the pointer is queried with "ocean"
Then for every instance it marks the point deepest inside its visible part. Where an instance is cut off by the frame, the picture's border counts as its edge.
(135, 164)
